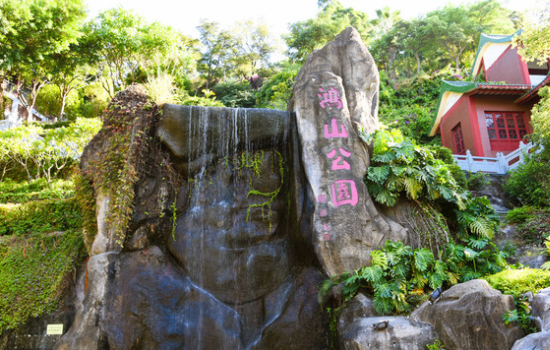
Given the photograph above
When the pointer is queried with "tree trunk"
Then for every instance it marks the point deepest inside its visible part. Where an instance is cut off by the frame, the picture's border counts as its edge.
(2, 104)
(63, 101)
(418, 66)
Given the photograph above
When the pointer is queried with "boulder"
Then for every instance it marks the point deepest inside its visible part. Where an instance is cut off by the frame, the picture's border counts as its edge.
(358, 307)
(541, 309)
(534, 341)
(387, 333)
(335, 99)
(468, 316)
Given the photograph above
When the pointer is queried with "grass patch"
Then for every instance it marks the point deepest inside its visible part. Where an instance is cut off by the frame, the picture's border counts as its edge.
(24, 192)
(40, 245)
(517, 282)
(39, 217)
(33, 274)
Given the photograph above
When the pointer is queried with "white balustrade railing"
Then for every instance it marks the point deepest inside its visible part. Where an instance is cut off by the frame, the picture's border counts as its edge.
(500, 164)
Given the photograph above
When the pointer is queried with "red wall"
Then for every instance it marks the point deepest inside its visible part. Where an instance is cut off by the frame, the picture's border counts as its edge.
(496, 103)
(458, 114)
(509, 68)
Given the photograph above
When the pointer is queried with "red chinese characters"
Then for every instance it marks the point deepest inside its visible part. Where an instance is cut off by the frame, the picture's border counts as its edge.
(339, 163)
(342, 191)
(334, 132)
(330, 98)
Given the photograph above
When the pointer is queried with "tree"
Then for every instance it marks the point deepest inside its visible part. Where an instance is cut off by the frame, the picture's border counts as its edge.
(124, 40)
(217, 45)
(534, 42)
(72, 69)
(31, 78)
(453, 30)
(314, 33)
(385, 20)
(32, 29)
(254, 45)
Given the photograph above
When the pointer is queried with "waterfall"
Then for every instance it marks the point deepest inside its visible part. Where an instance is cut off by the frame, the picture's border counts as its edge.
(231, 239)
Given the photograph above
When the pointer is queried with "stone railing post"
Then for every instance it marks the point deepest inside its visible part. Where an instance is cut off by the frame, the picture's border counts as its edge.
(469, 160)
(502, 163)
(521, 155)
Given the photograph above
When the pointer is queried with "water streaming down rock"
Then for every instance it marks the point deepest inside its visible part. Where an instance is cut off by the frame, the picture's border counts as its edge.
(230, 239)
(228, 276)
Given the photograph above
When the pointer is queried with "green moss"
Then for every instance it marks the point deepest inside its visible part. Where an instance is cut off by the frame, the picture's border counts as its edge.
(517, 282)
(255, 166)
(33, 273)
(23, 192)
(85, 197)
(39, 217)
(40, 244)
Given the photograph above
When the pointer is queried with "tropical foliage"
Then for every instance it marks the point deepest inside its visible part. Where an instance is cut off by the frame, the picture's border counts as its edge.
(400, 165)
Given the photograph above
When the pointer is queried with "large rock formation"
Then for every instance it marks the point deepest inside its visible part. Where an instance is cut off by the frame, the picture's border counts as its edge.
(225, 249)
(468, 316)
(335, 99)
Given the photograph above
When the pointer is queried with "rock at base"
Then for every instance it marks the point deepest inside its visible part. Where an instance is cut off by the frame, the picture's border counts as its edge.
(541, 309)
(468, 316)
(387, 333)
(535, 341)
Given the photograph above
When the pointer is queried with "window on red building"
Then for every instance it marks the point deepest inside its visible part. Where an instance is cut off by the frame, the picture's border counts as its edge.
(505, 129)
(459, 140)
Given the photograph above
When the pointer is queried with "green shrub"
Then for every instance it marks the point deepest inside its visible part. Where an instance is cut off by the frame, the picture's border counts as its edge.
(520, 214)
(530, 182)
(446, 155)
(235, 93)
(44, 150)
(477, 219)
(48, 102)
(401, 277)
(34, 273)
(95, 100)
(277, 91)
(24, 192)
(399, 165)
(517, 282)
(521, 315)
(476, 181)
(536, 228)
(40, 245)
(39, 216)
(398, 278)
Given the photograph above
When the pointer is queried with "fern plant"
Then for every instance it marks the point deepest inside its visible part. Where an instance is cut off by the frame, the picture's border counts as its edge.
(478, 218)
(400, 165)
(398, 278)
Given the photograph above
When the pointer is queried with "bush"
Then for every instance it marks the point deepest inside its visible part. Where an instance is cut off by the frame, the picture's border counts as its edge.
(520, 214)
(277, 91)
(530, 182)
(24, 192)
(477, 181)
(44, 150)
(95, 100)
(34, 273)
(40, 245)
(517, 282)
(235, 93)
(399, 165)
(39, 216)
(446, 155)
(536, 228)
